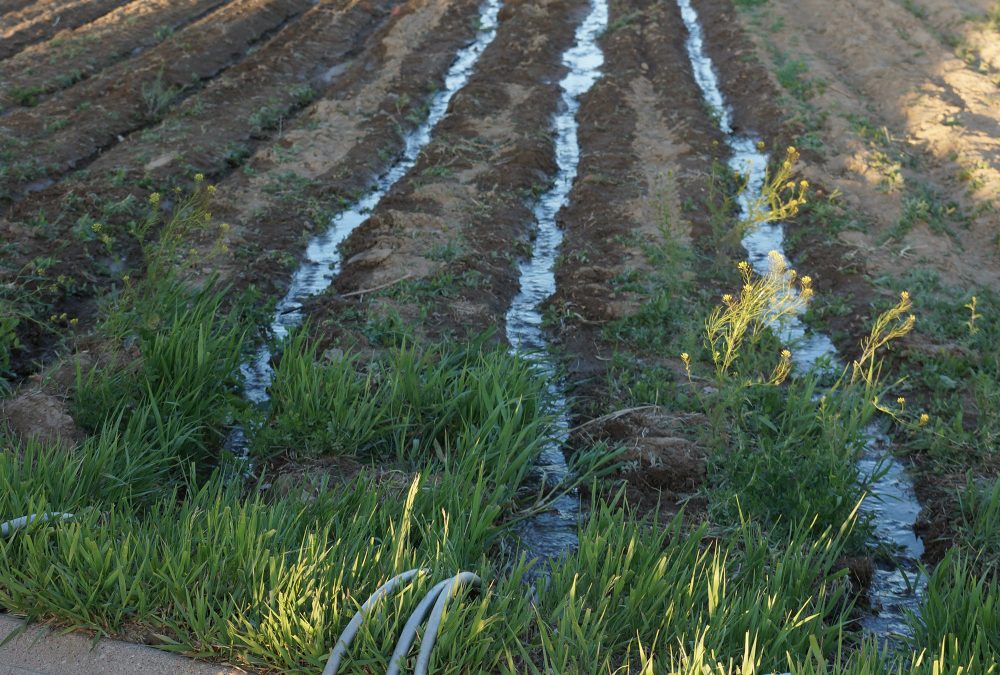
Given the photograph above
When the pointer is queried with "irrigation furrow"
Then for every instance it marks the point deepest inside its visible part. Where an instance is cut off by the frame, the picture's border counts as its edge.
(73, 127)
(646, 144)
(322, 258)
(644, 119)
(36, 23)
(892, 503)
(75, 54)
(342, 143)
(550, 535)
(454, 224)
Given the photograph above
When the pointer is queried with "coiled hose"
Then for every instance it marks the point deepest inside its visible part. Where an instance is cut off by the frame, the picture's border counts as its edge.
(438, 596)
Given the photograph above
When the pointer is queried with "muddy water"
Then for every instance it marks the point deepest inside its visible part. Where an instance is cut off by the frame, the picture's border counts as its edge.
(551, 534)
(321, 262)
(892, 505)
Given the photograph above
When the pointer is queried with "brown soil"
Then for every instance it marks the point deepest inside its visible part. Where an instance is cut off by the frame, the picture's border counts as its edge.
(133, 94)
(894, 92)
(340, 144)
(15, 6)
(245, 105)
(634, 174)
(42, 20)
(75, 54)
(468, 192)
(384, 84)
(35, 415)
(895, 112)
(662, 470)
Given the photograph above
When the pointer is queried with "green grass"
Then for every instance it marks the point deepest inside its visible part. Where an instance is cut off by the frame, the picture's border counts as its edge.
(962, 612)
(183, 379)
(979, 525)
(167, 541)
(26, 96)
(957, 380)
(286, 575)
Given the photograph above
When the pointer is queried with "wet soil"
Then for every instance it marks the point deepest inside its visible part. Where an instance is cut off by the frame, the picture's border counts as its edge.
(458, 222)
(337, 147)
(646, 146)
(42, 20)
(901, 117)
(74, 54)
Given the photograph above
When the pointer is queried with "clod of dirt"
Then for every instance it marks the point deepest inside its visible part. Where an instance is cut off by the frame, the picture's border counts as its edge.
(35, 415)
(308, 479)
(661, 468)
(861, 570)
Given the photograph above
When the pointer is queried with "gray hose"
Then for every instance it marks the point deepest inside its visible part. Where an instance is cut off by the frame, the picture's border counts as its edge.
(344, 641)
(427, 644)
(8, 528)
(409, 633)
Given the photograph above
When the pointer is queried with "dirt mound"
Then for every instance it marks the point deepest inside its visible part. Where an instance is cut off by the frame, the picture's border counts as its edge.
(662, 469)
(42, 417)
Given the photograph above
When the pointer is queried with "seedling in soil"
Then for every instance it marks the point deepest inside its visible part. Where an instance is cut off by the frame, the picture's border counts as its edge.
(158, 96)
(26, 96)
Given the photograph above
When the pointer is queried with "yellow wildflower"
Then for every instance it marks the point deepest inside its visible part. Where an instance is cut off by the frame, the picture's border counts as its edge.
(924, 419)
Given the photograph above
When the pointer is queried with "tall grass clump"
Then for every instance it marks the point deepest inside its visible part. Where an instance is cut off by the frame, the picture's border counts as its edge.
(789, 450)
(979, 525)
(786, 448)
(176, 368)
(173, 350)
(410, 405)
(637, 588)
(132, 460)
(960, 616)
(272, 583)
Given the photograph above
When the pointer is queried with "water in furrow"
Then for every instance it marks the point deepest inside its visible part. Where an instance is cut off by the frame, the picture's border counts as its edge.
(322, 260)
(550, 534)
(892, 503)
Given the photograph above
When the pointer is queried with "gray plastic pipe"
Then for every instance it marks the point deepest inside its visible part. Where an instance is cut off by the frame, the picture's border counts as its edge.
(438, 597)
(427, 644)
(8, 528)
(409, 633)
(344, 641)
